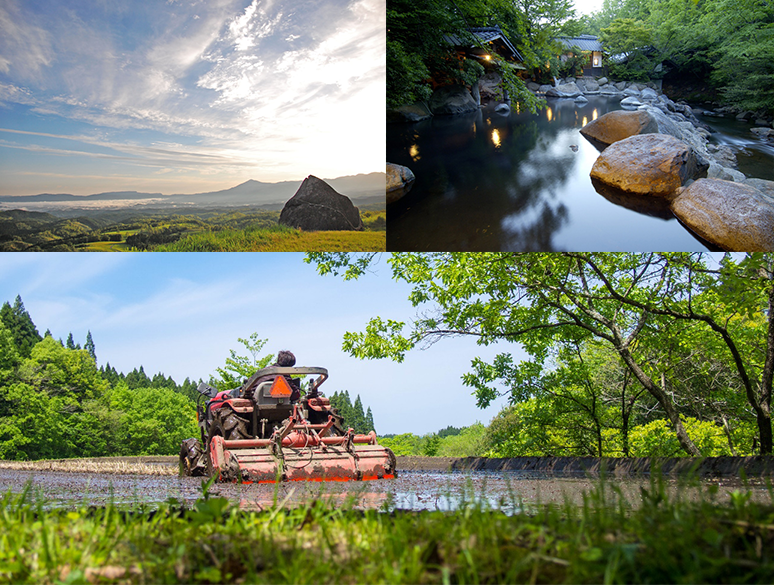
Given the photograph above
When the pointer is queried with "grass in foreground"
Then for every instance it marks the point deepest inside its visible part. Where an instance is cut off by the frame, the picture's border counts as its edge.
(279, 239)
(660, 541)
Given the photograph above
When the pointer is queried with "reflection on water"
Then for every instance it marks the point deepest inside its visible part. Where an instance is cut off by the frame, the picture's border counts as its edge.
(520, 182)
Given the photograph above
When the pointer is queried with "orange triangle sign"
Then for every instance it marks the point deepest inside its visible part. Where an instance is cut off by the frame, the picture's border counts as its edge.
(280, 388)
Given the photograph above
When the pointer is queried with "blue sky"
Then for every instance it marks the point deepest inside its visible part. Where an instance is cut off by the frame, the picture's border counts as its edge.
(180, 314)
(182, 96)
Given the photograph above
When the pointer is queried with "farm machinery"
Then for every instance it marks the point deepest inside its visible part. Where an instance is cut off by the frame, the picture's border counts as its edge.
(266, 431)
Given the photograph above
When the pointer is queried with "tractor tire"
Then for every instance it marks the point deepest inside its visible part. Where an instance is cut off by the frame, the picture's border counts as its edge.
(192, 458)
(229, 425)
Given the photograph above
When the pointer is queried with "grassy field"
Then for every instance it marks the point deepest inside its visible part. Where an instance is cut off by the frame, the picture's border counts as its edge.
(278, 239)
(660, 541)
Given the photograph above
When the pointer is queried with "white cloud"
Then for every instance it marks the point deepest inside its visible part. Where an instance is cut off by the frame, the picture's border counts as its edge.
(270, 86)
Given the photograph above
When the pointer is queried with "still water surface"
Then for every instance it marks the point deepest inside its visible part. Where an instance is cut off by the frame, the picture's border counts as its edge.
(518, 182)
(509, 492)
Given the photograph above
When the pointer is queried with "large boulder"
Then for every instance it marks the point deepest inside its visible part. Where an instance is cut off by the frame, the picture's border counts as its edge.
(565, 90)
(732, 216)
(630, 103)
(764, 186)
(617, 125)
(647, 164)
(609, 90)
(648, 94)
(490, 87)
(317, 206)
(409, 113)
(400, 179)
(452, 99)
(592, 87)
(632, 91)
(718, 171)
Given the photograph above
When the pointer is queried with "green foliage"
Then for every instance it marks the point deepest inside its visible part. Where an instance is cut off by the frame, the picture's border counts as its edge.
(240, 367)
(353, 415)
(153, 421)
(404, 444)
(657, 439)
(17, 320)
(684, 331)
(725, 44)
(418, 50)
(469, 442)
(466, 442)
(56, 403)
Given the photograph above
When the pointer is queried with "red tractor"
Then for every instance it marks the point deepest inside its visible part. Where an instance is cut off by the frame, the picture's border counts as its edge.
(266, 431)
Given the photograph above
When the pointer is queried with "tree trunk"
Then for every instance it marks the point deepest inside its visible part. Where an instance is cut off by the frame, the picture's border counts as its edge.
(663, 400)
(767, 376)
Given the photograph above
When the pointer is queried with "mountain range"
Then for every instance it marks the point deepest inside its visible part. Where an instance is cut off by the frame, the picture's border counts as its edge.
(361, 189)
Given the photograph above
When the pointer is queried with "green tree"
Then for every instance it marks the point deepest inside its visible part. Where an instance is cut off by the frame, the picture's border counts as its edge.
(406, 444)
(240, 367)
(741, 33)
(89, 346)
(18, 321)
(628, 302)
(418, 49)
(632, 38)
(469, 442)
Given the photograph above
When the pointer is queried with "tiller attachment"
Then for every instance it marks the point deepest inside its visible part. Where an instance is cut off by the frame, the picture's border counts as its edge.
(301, 451)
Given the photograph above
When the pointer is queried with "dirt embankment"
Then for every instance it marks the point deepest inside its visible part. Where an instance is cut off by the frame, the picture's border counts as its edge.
(725, 467)
(758, 466)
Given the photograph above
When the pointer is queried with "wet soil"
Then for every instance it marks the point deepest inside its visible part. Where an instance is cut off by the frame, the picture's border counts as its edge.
(508, 491)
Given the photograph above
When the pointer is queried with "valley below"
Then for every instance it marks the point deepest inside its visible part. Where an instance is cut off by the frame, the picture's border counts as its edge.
(124, 221)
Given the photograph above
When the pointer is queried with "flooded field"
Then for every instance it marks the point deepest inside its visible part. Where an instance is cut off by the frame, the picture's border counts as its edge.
(509, 492)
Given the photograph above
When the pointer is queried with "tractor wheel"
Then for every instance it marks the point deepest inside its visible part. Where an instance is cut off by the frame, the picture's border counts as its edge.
(192, 461)
(229, 425)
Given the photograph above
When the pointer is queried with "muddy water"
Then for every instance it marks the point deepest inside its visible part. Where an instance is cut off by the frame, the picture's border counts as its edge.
(509, 492)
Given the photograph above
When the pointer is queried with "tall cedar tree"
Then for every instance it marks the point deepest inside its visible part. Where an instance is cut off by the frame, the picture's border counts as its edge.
(18, 321)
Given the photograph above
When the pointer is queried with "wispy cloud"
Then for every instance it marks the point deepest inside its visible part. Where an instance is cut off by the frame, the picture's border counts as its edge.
(272, 90)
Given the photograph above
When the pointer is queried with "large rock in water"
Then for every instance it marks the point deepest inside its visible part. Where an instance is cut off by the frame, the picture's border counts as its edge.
(400, 179)
(317, 206)
(732, 216)
(452, 99)
(565, 90)
(617, 125)
(647, 164)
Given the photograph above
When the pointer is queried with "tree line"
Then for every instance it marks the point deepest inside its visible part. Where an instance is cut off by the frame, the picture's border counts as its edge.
(419, 50)
(628, 354)
(726, 45)
(56, 402)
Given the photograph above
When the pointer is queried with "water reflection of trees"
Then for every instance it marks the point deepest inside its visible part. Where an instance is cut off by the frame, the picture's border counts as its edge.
(484, 172)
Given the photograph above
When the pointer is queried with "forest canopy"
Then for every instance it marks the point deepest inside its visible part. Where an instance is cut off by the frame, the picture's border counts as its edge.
(723, 45)
(629, 354)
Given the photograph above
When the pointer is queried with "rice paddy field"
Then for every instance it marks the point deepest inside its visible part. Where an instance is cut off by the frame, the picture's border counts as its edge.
(137, 522)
